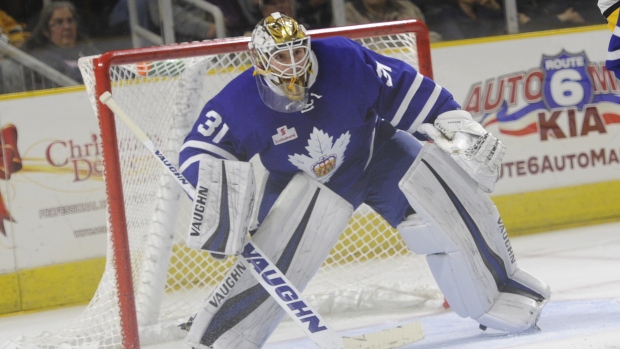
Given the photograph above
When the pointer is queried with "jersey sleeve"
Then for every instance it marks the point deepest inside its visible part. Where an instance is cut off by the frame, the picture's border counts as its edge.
(407, 98)
(611, 11)
(211, 136)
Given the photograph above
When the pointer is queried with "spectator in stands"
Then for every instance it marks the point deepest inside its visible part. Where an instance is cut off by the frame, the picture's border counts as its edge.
(315, 13)
(190, 23)
(464, 19)
(56, 40)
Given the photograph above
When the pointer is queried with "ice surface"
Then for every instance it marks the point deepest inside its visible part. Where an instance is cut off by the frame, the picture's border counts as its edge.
(582, 266)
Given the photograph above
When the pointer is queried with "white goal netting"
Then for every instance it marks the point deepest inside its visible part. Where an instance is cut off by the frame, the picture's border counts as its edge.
(369, 268)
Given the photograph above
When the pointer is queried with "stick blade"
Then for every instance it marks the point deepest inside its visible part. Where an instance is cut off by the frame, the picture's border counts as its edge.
(387, 339)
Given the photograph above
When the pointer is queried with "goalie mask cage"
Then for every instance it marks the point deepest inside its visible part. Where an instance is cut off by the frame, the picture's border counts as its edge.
(152, 282)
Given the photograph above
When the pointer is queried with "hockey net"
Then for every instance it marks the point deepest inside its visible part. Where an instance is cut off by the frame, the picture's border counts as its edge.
(152, 281)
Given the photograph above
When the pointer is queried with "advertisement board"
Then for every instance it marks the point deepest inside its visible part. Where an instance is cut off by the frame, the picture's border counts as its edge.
(549, 98)
(54, 197)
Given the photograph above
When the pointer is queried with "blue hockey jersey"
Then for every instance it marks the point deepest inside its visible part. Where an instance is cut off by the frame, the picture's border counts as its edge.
(332, 139)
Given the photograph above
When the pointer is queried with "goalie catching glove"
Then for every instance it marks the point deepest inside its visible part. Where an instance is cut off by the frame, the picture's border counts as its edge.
(477, 151)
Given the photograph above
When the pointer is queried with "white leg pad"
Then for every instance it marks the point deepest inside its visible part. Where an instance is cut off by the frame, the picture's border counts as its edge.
(512, 312)
(297, 236)
(467, 246)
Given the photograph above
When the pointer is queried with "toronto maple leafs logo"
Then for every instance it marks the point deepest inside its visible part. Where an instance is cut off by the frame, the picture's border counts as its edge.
(324, 156)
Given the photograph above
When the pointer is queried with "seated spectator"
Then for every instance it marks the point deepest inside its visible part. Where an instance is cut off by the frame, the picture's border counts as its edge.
(190, 23)
(315, 13)
(465, 19)
(56, 40)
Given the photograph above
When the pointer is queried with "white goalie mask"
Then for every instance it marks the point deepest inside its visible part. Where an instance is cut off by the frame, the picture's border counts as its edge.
(280, 53)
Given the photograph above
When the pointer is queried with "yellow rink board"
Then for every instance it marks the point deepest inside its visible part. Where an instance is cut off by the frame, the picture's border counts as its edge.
(526, 213)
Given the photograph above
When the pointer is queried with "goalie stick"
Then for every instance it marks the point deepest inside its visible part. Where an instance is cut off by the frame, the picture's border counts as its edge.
(325, 339)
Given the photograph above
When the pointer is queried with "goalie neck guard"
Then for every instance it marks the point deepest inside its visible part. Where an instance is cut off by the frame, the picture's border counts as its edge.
(280, 53)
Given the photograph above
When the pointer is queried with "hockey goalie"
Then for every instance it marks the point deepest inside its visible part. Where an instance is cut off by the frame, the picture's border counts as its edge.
(337, 125)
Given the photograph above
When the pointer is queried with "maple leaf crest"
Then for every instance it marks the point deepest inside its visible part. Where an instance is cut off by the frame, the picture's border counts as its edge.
(324, 156)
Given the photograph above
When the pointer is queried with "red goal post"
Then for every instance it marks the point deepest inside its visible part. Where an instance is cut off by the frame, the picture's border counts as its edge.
(152, 281)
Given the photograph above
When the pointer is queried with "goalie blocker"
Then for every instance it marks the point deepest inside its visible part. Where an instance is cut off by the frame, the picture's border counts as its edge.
(460, 230)
(222, 206)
